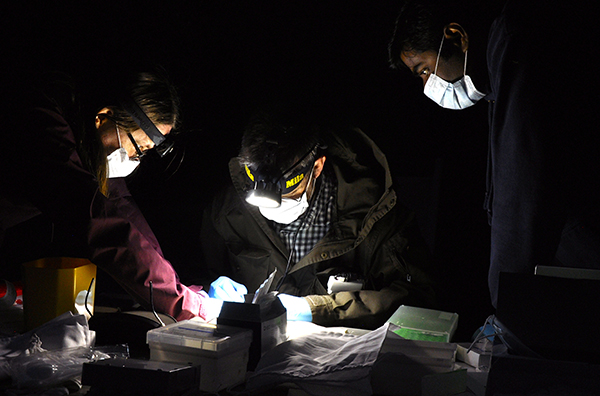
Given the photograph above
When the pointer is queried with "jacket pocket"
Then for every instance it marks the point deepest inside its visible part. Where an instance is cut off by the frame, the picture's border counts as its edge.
(250, 265)
(396, 250)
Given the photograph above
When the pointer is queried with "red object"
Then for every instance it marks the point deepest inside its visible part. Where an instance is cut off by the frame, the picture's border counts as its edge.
(18, 288)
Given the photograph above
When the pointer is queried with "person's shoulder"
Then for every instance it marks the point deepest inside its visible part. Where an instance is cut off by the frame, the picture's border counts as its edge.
(347, 138)
(223, 198)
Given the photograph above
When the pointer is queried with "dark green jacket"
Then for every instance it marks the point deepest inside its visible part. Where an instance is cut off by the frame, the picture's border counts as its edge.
(372, 235)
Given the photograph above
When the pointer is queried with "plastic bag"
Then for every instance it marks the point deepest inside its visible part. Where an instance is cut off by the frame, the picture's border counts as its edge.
(51, 368)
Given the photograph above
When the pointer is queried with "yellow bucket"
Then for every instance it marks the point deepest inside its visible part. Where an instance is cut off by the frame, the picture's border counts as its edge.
(55, 285)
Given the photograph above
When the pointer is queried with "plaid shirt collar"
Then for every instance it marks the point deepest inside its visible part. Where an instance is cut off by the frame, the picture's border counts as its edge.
(302, 235)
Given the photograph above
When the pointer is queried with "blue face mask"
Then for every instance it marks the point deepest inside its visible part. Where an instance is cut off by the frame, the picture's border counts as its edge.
(457, 95)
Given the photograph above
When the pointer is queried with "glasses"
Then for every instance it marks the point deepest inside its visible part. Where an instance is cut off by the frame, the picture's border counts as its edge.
(138, 150)
(161, 150)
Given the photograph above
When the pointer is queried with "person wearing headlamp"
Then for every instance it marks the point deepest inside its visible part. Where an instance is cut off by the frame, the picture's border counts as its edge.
(319, 207)
(82, 140)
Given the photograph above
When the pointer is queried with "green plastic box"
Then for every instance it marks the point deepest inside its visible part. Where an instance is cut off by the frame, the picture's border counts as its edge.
(424, 324)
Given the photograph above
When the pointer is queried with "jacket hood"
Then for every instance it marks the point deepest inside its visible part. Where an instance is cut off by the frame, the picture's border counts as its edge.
(364, 191)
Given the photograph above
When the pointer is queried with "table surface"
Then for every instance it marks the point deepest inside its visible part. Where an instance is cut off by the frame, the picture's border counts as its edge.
(11, 323)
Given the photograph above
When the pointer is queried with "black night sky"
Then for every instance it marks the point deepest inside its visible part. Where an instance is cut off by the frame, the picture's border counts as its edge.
(228, 56)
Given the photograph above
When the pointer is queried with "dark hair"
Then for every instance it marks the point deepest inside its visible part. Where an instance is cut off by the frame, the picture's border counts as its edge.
(152, 91)
(420, 27)
(155, 95)
(273, 142)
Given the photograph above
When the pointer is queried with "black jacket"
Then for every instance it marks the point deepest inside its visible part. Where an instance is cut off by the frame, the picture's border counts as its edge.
(372, 235)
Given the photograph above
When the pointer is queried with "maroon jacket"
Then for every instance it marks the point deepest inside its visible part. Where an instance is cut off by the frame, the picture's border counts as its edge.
(43, 172)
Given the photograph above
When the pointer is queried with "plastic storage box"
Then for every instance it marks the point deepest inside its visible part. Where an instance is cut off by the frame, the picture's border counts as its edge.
(424, 324)
(140, 377)
(221, 351)
(403, 364)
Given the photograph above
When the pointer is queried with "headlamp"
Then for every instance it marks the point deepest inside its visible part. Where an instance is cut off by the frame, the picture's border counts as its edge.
(267, 191)
(264, 194)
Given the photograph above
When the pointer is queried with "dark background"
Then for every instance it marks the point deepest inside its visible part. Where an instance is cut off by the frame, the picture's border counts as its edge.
(228, 56)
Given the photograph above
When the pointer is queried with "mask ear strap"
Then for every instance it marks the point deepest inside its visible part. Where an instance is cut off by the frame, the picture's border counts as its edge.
(118, 135)
(465, 70)
(310, 177)
(438, 57)
(310, 180)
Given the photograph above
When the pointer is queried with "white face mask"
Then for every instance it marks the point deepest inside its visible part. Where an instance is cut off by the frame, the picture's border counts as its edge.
(457, 95)
(119, 163)
(290, 209)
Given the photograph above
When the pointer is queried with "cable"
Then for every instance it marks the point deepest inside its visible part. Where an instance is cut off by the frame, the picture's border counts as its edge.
(152, 307)
(182, 151)
(497, 332)
(86, 298)
(292, 253)
(302, 224)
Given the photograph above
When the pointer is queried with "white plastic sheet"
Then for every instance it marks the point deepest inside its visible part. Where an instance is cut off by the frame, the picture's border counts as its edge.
(65, 331)
(333, 363)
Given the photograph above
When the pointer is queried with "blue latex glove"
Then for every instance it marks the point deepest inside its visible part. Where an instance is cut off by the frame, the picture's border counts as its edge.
(226, 289)
(486, 331)
(297, 307)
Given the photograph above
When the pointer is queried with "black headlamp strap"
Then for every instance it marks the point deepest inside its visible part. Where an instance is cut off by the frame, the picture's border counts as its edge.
(257, 176)
(142, 120)
(291, 168)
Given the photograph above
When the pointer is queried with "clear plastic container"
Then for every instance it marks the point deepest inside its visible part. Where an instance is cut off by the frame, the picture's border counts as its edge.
(424, 324)
(221, 351)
